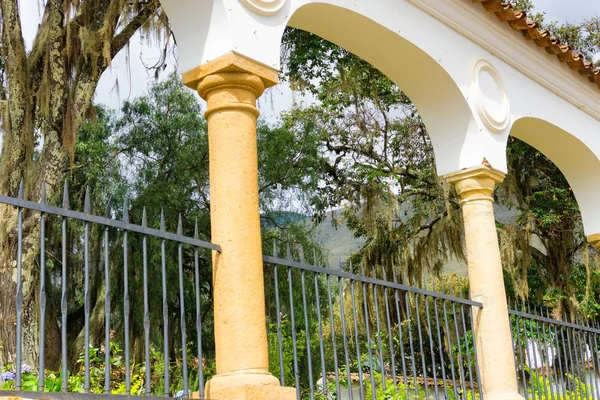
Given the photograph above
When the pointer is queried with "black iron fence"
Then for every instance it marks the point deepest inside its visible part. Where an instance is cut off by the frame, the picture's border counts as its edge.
(334, 333)
(149, 268)
(343, 334)
(555, 359)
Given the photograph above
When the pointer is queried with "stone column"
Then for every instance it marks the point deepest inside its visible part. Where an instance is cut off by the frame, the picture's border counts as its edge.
(475, 187)
(230, 85)
(594, 240)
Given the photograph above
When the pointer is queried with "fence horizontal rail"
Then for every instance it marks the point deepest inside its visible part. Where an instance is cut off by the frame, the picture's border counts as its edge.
(554, 321)
(366, 279)
(113, 223)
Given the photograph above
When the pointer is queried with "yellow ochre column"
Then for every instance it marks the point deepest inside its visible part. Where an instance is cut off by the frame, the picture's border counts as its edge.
(475, 187)
(230, 85)
(595, 240)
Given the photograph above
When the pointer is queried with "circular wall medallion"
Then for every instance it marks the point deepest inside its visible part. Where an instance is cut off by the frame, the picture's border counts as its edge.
(489, 96)
(264, 7)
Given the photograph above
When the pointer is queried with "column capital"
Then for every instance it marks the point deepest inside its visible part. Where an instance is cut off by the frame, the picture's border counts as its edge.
(476, 183)
(594, 240)
(231, 62)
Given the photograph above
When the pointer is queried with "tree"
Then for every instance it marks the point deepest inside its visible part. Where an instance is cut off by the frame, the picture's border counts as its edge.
(46, 95)
(381, 166)
(381, 171)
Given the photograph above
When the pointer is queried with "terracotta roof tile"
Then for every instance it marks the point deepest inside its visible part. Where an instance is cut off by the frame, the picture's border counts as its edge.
(518, 21)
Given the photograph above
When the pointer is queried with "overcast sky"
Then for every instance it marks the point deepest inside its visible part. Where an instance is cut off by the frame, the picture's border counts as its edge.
(127, 80)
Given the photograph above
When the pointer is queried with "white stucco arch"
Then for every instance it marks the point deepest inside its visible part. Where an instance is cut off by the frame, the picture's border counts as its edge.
(428, 48)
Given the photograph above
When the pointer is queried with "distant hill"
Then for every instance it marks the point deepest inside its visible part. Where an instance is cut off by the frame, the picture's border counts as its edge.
(340, 243)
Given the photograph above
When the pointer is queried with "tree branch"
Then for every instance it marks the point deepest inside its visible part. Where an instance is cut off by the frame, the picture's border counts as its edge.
(123, 37)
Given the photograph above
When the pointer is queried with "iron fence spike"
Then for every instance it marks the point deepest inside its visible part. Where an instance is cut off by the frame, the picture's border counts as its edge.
(179, 226)
(144, 218)
(107, 211)
(125, 211)
(275, 253)
(43, 196)
(86, 203)
(66, 196)
(301, 251)
(21, 190)
(162, 220)
(288, 255)
(196, 229)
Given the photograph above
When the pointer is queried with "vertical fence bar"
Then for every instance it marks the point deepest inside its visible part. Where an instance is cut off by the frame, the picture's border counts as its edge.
(86, 291)
(332, 321)
(574, 364)
(582, 345)
(42, 356)
(390, 335)
(417, 313)
(293, 323)
(558, 359)
(567, 362)
(146, 308)
(308, 344)
(440, 345)
(63, 300)
(595, 357)
(378, 334)
(434, 369)
(367, 327)
(520, 354)
(410, 341)
(198, 317)
(343, 319)
(452, 363)
(278, 310)
(544, 355)
(357, 339)
(126, 302)
(528, 357)
(587, 342)
(107, 349)
(165, 308)
(19, 298)
(320, 321)
(400, 336)
(307, 329)
(467, 348)
(460, 358)
(182, 312)
(537, 350)
(548, 348)
(477, 373)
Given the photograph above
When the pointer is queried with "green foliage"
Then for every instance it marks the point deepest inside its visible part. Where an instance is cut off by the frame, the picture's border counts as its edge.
(287, 349)
(76, 379)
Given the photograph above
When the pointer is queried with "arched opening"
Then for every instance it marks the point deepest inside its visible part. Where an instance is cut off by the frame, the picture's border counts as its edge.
(575, 160)
(438, 98)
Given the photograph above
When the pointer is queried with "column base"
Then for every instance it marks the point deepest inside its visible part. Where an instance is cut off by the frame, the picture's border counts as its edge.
(247, 385)
(504, 396)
